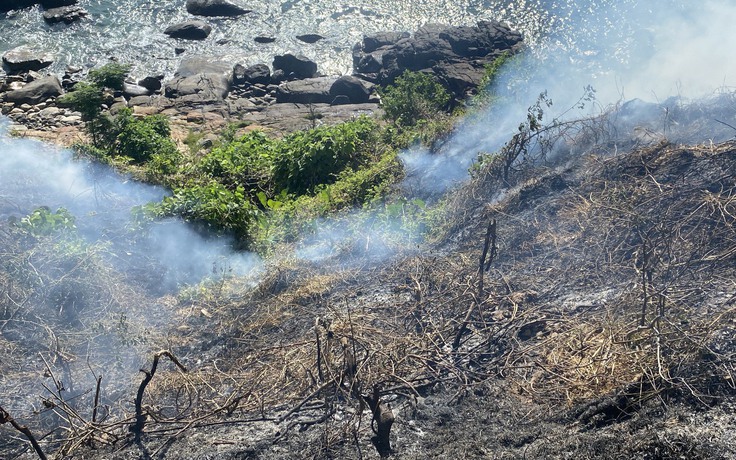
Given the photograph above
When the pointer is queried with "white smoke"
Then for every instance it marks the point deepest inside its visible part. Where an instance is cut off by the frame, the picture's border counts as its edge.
(33, 174)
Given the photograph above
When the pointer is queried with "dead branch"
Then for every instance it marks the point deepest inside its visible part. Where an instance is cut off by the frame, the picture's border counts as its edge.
(6, 418)
(140, 417)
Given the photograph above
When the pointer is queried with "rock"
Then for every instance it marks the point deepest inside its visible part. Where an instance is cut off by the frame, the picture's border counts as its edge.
(152, 84)
(194, 65)
(297, 66)
(381, 39)
(310, 38)
(71, 119)
(36, 91)
(214, 8)
(65, 14)
(204, 78)
(306, 91)
(24, 58)
(456, 55)
(49, 112)
(479, 40)
(340, 99)
(57, 3)
(139, 101)
(264, 39)
(258, 74)
(131, 91)
(189, 30)
(356, 90)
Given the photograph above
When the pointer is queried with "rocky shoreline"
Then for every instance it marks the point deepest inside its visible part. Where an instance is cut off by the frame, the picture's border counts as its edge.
(208, 92)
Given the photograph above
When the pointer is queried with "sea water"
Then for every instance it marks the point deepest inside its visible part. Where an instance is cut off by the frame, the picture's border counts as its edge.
(131, 31)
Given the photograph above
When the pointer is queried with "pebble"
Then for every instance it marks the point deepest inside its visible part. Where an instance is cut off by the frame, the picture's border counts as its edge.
(26, 107)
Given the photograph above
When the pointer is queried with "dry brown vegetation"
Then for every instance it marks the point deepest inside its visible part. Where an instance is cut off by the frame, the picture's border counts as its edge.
(608, 284)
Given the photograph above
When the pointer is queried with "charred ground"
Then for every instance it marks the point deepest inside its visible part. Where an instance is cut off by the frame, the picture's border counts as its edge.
(603, 327)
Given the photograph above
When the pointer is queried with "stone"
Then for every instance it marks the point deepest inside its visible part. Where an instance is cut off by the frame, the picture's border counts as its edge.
(131, 91)
(298, 66)
(258, 74)
(36, 91)
(215, 8)
(264, 39)
(71, 119)
(189, 30)
(65, 14)
(194, 65)
(200, 78)
(457, 56)
(356, 90)
(207, 87)
(381, 39)
(152, 84)
(49, 112)
(306, 91)
(310, 38)
(139, 101)
(24, 58)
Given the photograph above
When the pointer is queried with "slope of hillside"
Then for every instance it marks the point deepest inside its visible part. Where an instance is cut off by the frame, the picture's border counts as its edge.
(603, 328)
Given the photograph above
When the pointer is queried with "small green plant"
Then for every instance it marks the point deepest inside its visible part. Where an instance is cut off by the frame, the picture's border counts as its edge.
(415, 96)
(43, 222)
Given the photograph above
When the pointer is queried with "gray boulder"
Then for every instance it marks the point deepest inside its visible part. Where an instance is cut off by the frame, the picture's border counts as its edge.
(215, 8)
(356, 90)
(130, 91)
(201, 78)
(189, 30)
(24, 58)
(306, 91)
(455, 55)
(151, 83)
(255, 74)
(65, 14)
(36, 92)
(295, 66)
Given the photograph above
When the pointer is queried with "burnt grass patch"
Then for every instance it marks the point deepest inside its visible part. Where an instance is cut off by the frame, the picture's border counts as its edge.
(586, 312)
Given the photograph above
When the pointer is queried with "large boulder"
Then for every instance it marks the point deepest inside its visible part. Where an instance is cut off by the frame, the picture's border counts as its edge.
(189, 30)
(295, 66)
(456, 55)
(24, 58)
(215, 8)
(200, 78)
(357, 91)
(255, 74)
(36, 92)
(65, 14)
(306, 91)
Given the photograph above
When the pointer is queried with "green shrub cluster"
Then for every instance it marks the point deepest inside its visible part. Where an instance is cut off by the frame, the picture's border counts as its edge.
(256, 183)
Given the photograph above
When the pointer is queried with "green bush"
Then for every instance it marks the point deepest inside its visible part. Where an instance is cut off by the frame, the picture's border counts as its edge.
(244, 162)
(111, 75)
(306, 159)
(141, 138)
(211, 204)
(415, 96)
